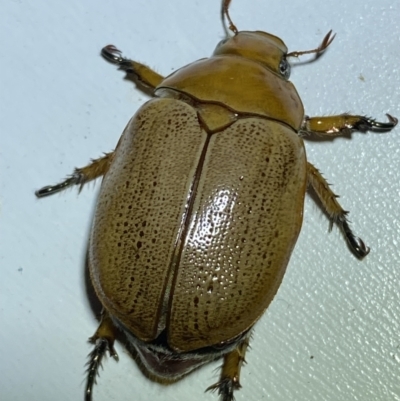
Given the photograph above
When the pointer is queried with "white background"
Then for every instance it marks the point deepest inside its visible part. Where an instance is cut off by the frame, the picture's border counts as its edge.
(332, 332)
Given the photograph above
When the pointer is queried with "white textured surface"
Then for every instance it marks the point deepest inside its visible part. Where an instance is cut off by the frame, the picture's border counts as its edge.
(332, 332)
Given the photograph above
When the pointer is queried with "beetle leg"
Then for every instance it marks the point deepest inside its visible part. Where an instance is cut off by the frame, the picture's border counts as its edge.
(80, 176)
(149, 78)
(104, 341)
(343, 124)
(335, 212)
(230, 374)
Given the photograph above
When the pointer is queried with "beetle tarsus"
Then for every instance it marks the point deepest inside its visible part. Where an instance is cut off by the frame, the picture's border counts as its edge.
(367, 123)
(48, 190)
(225, 388)
(102, 345)
(356, 244)
(112, 54)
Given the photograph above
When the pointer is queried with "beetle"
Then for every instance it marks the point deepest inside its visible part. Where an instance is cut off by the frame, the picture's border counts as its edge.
(201, 204)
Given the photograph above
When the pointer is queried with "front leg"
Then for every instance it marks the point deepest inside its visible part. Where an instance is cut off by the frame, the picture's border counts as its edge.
(343, 124)
(145, 75)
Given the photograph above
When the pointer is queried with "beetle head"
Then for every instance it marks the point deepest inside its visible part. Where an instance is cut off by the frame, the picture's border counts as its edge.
(262, 47)
(258, 46)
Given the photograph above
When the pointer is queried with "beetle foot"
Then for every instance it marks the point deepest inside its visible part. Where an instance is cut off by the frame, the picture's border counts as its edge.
(367, 123)
(225, 387)
(75, 179)
(102, 345)
(356, 244)
(114, 55)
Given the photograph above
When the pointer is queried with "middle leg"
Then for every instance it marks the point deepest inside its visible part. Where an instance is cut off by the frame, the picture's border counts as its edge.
(335, 212)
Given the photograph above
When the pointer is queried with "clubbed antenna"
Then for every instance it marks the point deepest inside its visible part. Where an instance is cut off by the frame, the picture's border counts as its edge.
(319, 50)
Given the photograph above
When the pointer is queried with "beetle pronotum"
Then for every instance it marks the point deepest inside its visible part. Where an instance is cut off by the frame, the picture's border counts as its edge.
(201, 205)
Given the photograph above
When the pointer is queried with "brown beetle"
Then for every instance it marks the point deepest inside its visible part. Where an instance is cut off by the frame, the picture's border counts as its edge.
(201, 205)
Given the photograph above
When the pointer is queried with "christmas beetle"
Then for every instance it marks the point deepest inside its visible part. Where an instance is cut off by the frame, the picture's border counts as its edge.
(201, 204)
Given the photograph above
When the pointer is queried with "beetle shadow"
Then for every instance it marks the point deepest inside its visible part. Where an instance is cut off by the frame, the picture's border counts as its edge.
(131, 77)
(314, 137)
(94, 302)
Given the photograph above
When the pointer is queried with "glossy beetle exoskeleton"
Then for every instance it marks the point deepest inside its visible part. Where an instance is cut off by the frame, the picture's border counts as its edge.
(201, 204)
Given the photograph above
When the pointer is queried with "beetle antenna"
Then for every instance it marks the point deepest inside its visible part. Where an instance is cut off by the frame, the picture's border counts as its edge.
(319, 50)
(225, 14)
